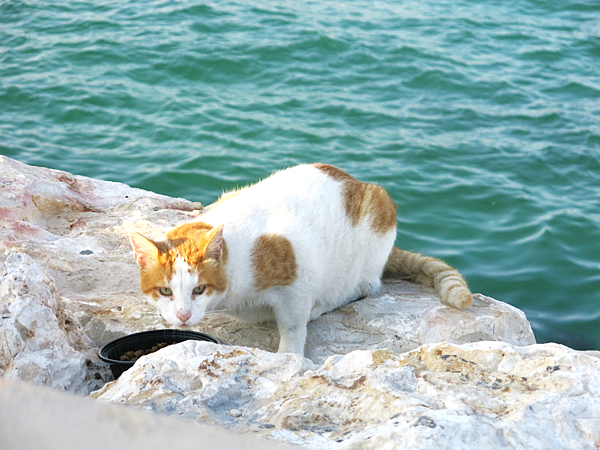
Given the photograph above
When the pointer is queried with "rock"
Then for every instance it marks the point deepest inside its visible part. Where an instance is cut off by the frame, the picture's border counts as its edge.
(490, 395)
(34, 417)
(405, 315)
(38, 342)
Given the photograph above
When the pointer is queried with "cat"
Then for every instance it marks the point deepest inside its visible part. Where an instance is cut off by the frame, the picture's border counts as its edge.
(298, 244)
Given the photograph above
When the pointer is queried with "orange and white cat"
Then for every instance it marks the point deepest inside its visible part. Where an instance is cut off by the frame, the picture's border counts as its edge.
(300, 243)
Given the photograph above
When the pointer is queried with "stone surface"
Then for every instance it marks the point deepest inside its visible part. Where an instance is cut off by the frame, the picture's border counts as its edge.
(405, 315)
(490, 395)
(34, 418)
(38, 340)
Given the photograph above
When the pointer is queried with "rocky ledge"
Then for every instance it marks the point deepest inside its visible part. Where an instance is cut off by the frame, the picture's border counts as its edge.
(484, 395)
(397, 370)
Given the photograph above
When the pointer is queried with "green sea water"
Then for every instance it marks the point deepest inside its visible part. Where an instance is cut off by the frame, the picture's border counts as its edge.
(481, 118)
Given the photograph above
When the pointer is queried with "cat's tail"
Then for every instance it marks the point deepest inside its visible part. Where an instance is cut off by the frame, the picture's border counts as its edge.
(428, 271)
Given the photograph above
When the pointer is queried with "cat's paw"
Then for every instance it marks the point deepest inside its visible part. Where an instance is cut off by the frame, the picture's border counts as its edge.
(460, 297)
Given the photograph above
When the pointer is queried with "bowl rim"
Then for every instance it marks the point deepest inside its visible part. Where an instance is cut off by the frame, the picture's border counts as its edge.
(169, 333)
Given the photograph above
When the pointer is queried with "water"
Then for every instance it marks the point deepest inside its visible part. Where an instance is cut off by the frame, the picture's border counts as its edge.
(482, 119)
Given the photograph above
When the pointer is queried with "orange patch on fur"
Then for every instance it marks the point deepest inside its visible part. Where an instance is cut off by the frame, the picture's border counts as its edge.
(274, 262)
(189, 240)
(155, 276)
(362, 199)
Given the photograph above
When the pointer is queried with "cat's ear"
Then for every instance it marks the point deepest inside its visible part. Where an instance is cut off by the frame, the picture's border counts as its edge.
(214, 248)
(145, 251)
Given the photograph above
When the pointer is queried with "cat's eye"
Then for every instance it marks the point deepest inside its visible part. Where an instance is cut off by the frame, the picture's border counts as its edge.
(165, 291)
(199, 289)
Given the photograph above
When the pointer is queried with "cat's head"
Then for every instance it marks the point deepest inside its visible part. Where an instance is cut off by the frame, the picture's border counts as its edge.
(185, 273)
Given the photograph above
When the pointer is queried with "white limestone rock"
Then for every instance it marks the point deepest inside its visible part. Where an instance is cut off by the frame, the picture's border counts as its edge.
(490, 395)
(39, 340)
(405, 315)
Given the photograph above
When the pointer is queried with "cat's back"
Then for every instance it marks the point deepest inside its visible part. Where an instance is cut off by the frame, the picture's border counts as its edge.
(313, 205)
(305, 184)
(316, 195)
(336, 230)
(304, 190)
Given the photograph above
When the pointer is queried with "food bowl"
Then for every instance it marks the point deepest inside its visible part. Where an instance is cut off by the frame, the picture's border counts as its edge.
(111, 353)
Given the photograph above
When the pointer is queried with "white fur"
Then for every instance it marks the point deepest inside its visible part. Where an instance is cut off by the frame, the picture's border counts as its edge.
(179, 306)
(337, 262)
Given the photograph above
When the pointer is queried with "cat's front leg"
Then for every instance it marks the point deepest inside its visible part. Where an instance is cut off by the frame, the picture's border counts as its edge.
(292, 315)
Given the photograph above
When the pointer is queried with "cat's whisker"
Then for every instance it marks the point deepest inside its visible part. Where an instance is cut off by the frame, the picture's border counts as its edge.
(215, 312)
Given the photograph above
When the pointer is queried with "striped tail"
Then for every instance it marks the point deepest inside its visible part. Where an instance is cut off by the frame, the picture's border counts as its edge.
(431, 272)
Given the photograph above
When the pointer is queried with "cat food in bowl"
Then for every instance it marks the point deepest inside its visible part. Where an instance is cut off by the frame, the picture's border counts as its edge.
(123, 352)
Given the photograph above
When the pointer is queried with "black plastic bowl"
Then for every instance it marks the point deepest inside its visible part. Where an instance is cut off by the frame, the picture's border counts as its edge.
(111, 352)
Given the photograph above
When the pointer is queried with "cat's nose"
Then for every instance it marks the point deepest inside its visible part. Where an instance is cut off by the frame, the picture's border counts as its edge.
(183, 316)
